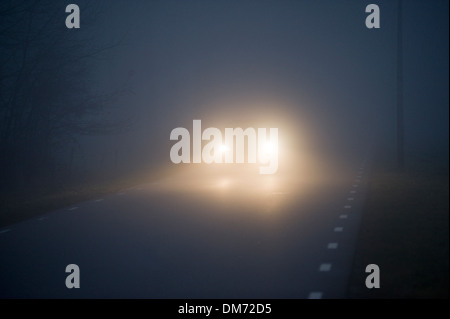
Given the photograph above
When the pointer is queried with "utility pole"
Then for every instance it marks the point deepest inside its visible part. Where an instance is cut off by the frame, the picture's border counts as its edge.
(400, 124)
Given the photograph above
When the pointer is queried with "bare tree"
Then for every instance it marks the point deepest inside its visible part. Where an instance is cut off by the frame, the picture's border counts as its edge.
(45, 97)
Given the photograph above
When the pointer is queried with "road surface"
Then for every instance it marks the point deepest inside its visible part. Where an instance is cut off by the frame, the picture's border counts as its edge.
(193, 238)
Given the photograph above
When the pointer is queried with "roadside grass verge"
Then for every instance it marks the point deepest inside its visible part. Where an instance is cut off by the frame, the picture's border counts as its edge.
(405, 231)
(21, 206)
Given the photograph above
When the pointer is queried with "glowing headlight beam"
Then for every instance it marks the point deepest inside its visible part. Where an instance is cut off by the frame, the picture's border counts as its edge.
(215, 149)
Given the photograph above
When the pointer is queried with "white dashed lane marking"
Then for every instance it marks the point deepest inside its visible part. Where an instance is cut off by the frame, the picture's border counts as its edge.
(325, 267)
(4, 231)
(41, 218)
(121, 193)
(73, 208)
(99, 200)
(315, 295)
(332, 245)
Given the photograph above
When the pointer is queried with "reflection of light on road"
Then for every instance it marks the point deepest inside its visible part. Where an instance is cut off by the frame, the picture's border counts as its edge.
(269, 184)
(224, 183)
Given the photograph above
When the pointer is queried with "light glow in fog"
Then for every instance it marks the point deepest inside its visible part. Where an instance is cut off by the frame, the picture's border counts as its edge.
(230, 150)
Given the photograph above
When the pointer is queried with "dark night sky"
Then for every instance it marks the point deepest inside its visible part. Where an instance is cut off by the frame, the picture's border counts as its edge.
(187, 55)
(313, 63)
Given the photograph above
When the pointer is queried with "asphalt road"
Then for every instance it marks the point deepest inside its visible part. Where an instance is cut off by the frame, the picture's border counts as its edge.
(216, 237)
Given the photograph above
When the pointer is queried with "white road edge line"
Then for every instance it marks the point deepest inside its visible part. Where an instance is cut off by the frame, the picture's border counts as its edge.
(332, 245)
(325, 267)
(315, 295)
(5, 231)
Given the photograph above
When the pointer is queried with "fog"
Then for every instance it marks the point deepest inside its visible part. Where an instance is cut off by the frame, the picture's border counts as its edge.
(101, 101)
